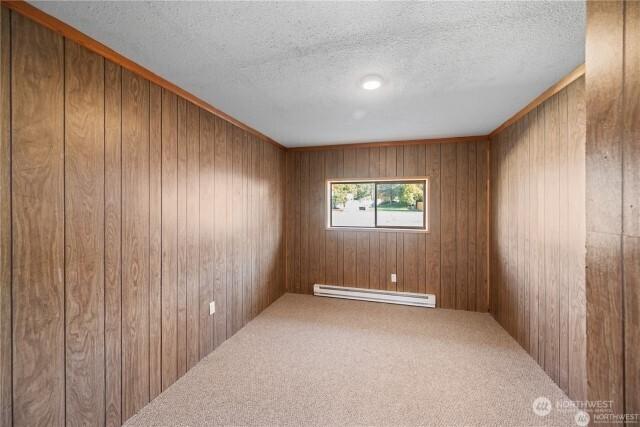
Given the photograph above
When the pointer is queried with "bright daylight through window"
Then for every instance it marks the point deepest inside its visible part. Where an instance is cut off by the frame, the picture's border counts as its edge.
(378, 204)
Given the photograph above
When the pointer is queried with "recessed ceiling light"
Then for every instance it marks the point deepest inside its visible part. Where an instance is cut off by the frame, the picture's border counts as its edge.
(371, 82)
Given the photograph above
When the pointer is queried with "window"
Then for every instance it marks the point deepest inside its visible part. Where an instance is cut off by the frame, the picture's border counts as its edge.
(394, 204)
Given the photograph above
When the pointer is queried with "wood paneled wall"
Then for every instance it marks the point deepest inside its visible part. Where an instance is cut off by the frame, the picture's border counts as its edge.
(450, 261)
(613, 204)
(125, 210)
(538, 235)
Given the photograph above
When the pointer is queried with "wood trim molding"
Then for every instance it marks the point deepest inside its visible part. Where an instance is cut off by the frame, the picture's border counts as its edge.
(454, 139)
(574, 75)
(82, 39)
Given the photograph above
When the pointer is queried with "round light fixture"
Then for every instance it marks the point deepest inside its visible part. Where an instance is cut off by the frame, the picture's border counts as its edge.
(371, 82)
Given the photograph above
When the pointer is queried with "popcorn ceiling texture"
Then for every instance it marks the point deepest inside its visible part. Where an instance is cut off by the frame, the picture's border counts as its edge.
(313, 361)
(292, 69)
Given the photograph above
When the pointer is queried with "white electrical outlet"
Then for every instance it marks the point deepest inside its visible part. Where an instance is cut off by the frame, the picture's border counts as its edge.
(212, 307)
(394, 278)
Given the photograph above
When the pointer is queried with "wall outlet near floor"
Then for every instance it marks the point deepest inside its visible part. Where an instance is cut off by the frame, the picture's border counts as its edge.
(212, 307)
(394, 278)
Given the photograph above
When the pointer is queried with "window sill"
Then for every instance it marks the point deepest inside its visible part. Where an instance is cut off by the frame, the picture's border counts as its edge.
(383, 230)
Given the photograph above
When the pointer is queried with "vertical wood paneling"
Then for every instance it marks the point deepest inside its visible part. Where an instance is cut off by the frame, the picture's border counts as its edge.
(193, 235)
(155, 240)
(471, 228)
(432, 246)
(448, 226)
(37, 183)
(534, 256)
(229, 220)
(462, 226)
(631, 260)
(217, 134)
(135, 243)
(604, 57)
(117, 233)
(481, 220)
(423, 262)
(208, 237)
(169, 238)
(246, 213)
(255, 230)
(631, 206)
(84, 236)
(112, 244)
(613, 192)
(552, 230)
(538, 235)
(235, 308)
(316, 176)
(181, 347)
(563, 268)
(5, 220)
(576, 238)
(331, 237)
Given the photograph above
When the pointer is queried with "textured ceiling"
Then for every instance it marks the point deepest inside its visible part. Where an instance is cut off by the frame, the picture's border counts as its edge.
(292, 69)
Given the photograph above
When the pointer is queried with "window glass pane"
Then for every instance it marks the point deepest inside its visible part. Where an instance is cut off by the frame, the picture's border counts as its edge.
(400, 204)
(352, 204)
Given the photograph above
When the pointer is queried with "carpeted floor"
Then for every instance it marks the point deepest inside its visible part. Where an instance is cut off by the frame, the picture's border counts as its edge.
(319, 361)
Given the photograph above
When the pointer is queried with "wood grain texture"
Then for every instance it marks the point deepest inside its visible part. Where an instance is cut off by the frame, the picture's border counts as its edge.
(631, 206)
(424, 262)
(125, 228)
(37, 149)
(538, 235)
(604, 280)
(219, 265)
(181, 320)
(135, 243)
(207, 234)
(155, 240)
(5, 219)
(84, 236)
(169, 239)
(613, 191)
(631, 266)
(112, 243)
(448, 226)
(576, 235)
(193, 235)
(552, 229)
(235, 298)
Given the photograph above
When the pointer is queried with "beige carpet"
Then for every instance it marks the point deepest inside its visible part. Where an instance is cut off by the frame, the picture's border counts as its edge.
(318, 361)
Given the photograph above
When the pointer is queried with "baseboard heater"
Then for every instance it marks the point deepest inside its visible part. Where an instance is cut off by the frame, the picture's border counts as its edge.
(389, 297)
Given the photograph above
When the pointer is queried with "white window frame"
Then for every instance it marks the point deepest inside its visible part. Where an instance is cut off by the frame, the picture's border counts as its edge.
(423, 229)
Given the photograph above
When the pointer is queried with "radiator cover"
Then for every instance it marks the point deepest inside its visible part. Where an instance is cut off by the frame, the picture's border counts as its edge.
(375, 295)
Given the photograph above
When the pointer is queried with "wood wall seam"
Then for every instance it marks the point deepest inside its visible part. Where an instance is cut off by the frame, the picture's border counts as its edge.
(6, 374)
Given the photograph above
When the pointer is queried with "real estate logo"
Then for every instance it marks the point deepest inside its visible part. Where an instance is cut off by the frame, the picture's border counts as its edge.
(582, 418)
(542, 406)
